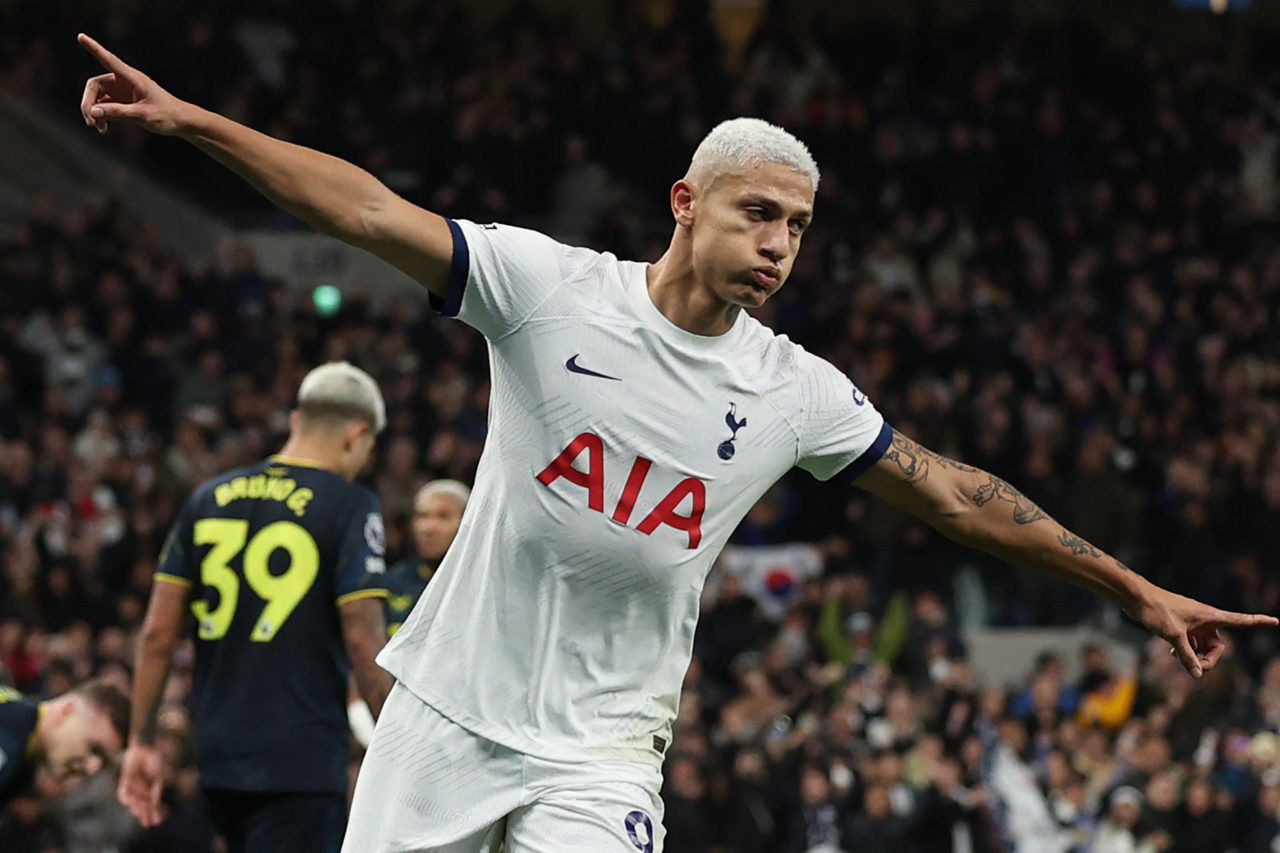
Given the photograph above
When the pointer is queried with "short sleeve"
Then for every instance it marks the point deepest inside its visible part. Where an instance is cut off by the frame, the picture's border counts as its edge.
(841, 432)
(502, 273)
(362, 569)
(174, 565)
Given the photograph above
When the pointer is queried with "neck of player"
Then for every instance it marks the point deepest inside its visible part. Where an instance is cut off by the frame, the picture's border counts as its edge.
(318, 450)
(688, 303)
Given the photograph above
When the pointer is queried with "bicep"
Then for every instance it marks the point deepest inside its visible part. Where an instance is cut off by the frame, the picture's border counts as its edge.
(412, 239)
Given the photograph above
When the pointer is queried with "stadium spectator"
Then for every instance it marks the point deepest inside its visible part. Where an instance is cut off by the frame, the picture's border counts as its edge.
(437, 513)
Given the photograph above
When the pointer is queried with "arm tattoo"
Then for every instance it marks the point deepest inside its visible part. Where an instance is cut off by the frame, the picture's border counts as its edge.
(906, 454)
(1076, 545)
(1025, 510)
(915, 460)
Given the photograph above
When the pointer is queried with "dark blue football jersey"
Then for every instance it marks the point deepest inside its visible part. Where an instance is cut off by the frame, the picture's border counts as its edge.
(405, 583)
(18, 717)
(270, 551)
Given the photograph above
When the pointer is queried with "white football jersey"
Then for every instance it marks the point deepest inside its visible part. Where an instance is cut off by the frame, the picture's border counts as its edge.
(622, 452)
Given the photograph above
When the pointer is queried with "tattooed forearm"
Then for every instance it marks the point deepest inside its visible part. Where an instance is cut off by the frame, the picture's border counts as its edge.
(915, 460)
(977, 508)
(1025, 510)
(1076, 545)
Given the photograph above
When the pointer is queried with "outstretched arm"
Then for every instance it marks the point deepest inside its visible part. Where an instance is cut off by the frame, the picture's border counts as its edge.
(981, 510)
(329, 194)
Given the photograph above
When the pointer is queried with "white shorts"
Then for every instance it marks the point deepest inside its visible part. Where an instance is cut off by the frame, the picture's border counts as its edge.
(427, 785)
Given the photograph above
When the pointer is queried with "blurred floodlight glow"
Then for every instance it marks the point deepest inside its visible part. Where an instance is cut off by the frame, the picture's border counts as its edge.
(327, 299)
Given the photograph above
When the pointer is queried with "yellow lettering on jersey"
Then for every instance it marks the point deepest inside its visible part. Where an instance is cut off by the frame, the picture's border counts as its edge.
(280, 489)
(298, 501)
(8, 694)
(261, 488)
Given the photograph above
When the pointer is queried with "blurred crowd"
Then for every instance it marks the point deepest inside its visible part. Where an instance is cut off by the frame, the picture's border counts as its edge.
(1049, 252)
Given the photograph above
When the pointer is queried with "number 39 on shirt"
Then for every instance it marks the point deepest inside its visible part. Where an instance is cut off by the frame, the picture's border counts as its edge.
(280, 593)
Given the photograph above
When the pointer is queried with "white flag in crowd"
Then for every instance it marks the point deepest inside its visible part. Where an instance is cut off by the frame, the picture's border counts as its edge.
(772, 574)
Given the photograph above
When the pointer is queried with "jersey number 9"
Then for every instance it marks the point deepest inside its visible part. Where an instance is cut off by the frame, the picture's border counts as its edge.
(280, 592)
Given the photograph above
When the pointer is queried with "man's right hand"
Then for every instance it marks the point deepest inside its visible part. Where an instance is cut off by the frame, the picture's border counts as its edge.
(141, 781)
(124, 93)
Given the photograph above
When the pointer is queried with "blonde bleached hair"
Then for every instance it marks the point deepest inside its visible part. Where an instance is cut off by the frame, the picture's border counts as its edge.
(734, 144)
(339, 390)
(455, 489)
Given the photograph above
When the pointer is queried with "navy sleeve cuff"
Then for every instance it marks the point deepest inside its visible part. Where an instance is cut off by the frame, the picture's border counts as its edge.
(459, 269)
(869, 457)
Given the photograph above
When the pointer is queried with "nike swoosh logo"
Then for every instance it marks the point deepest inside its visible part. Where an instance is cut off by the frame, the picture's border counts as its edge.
(574, 367)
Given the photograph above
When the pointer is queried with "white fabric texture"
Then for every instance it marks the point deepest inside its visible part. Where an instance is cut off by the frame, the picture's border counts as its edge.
(561, 621)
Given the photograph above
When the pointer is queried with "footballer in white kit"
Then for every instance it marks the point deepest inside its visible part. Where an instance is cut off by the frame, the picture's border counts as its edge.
(623, 451)
(636, 414)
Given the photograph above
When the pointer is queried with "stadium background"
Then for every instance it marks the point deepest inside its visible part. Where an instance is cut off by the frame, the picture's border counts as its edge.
(1046, 243)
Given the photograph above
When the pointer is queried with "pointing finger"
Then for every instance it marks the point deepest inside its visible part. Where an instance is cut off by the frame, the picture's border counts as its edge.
(109, 60)
(1245, 620)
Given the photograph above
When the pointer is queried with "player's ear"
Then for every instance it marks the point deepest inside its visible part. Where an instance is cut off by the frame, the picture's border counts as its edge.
(354, 431)
(682, 197)
(60, 709)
